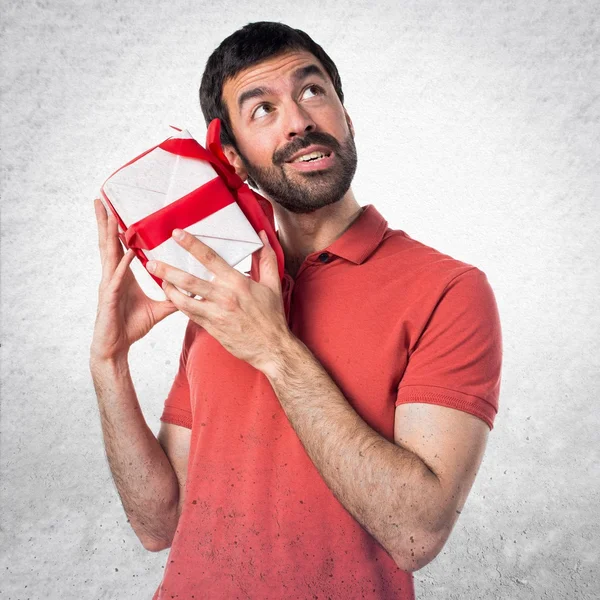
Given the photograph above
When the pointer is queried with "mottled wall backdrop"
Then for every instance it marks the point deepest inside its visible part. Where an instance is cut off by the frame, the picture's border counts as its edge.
(478, 132)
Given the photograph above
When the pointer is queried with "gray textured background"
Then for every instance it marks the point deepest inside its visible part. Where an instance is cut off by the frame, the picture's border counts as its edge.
(478, 132)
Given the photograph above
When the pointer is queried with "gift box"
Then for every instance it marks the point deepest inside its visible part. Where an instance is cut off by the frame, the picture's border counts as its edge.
(180, 184)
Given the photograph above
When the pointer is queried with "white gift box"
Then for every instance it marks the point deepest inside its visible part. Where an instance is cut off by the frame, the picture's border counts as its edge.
(160, 178)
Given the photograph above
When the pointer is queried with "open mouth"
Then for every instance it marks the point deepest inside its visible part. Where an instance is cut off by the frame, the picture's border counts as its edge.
(311, 157)
(315, 159)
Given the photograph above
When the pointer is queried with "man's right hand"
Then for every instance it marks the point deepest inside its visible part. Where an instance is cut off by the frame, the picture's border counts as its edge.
(125, 314)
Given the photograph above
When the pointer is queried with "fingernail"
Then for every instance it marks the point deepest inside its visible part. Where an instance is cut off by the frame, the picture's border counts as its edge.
(178, 234)
(151, 266)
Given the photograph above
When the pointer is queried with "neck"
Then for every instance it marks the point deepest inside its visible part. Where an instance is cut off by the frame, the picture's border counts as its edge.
(303, 234)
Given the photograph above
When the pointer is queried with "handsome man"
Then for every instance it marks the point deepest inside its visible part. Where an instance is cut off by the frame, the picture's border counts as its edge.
(327, 455)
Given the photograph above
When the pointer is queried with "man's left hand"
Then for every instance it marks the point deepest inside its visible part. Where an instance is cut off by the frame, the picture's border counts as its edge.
(247, 318)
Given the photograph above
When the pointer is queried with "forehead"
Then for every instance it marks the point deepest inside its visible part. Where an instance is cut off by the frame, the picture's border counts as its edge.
(269, 73)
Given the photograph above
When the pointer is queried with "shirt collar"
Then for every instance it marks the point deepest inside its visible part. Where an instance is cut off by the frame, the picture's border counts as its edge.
(362, 238)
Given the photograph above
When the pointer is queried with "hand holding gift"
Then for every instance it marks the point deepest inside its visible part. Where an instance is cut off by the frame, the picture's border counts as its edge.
(125, 314)
(246, 317)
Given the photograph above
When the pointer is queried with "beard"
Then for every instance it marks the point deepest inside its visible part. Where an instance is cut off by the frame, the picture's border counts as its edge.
(306, 191)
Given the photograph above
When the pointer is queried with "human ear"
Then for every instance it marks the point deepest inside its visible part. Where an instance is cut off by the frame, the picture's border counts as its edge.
(235, 161)
(349, 121)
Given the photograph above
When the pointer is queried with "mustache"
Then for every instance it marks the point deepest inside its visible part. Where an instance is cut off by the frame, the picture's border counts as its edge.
(312, 137)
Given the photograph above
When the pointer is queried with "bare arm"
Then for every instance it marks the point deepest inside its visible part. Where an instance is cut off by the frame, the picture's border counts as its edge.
(146, 481)
(407, 494)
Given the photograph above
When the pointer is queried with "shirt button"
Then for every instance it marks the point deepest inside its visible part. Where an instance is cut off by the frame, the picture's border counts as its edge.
(324, 257)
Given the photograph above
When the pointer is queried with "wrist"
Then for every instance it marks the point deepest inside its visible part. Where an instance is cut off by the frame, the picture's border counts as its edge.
(115, 364)
(287, 353)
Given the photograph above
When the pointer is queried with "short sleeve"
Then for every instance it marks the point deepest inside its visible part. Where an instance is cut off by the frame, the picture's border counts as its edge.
(177, 409)
(457, 360)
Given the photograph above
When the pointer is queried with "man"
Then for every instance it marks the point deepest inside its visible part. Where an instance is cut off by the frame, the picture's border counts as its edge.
(327, 455)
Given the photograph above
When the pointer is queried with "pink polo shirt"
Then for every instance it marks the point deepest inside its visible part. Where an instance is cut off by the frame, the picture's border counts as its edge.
(392, 321)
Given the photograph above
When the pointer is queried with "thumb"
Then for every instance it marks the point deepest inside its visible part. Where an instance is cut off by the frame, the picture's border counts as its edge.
(268, 269)
(163, 309)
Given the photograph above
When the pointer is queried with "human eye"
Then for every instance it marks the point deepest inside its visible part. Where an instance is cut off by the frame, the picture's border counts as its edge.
(313, 90)
(262, 110)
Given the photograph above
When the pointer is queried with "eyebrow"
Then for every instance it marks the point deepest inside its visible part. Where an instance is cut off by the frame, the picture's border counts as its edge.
(304, 72)
(253, 93)
(297, 75)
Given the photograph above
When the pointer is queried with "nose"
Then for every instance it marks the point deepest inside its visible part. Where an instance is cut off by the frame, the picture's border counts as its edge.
(297, 121)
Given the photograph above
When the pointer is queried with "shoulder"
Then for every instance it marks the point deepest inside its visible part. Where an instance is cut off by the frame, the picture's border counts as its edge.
(425, 268)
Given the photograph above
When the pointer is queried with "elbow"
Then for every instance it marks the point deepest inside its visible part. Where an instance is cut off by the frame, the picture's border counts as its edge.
(413, 562)
(153, 545)
(159, 536)
(418, 550)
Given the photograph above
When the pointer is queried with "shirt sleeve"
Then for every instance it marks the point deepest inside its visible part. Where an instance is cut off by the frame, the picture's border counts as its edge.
(457, 360)
(177, 409)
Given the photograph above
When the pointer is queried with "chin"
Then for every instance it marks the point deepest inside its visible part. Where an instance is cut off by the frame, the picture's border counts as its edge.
(301, 208)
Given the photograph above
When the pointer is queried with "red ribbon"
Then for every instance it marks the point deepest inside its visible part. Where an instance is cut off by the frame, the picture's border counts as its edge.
(156, 228)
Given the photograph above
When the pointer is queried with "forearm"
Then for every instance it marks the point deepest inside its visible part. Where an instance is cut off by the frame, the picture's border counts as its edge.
(388, 489)
(144, 477)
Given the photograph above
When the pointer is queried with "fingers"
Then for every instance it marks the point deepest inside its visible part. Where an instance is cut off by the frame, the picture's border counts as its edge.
(181, 279)
(268, 268)
(113, 250)
(206, 255)
(118, 277)
(197, 309)
(101, 221)
(175, 280)
(163, 309)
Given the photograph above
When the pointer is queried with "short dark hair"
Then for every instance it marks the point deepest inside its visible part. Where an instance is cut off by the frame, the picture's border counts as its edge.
(248, 46)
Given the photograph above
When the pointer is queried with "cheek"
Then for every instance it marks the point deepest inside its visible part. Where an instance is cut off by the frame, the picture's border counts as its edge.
(254, 144)
(333, 121)
(259, 153)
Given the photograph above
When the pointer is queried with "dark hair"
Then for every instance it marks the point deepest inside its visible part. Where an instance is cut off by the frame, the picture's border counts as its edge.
(248, 46)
